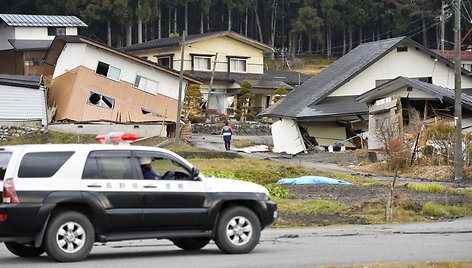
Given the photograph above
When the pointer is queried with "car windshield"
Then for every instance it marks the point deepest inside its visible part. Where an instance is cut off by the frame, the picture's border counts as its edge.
(4, 159)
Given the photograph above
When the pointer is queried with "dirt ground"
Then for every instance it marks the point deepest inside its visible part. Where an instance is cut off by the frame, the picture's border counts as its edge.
(356, 197)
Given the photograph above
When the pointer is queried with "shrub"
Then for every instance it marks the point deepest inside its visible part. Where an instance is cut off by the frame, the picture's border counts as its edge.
(428, 188)
(430, 209)
(278, 191)
(435, 210)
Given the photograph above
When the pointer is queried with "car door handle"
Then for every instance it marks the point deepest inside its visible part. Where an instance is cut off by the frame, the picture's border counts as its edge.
(149, 186)
(94, 186)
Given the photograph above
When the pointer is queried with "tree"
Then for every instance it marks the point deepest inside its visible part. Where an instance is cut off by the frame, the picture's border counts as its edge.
(308, 23)
(389, 131)
(204, 12)
(244, 101)
(279, 94)
(192, 103)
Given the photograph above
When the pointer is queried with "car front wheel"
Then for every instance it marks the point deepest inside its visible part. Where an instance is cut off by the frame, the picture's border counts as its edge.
(238, 230)
(69, 237)
(23, 250)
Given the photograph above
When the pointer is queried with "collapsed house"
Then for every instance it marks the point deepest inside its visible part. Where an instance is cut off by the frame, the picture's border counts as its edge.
(409, 105)
(93, 82)
(323, 111)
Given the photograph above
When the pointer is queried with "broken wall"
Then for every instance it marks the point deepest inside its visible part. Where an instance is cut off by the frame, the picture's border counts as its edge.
(117, 101)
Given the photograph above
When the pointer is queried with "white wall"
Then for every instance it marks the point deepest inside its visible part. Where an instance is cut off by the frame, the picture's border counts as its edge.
(74, 55)
(6, 33)
(70, 58)
(411, 64)
(32, 33)
(22, 104)
(39, 33)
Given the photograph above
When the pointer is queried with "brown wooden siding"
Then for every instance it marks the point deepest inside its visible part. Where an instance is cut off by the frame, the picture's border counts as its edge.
(11, 62)
(43, 69)
(129, 100)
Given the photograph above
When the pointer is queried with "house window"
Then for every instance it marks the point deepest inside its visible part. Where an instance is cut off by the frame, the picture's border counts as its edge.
(101, 101)
(149, 112)
(165, 61)
(426, 79)
(237, 65)
(34, 62)
(53, 31)
(201, 63)
(108, 71)
(402, 49)
(146, 84)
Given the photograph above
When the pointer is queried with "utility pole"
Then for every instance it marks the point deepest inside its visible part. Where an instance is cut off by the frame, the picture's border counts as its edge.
(458, 92)
(443, 24)
(179, 102)
(210, 88)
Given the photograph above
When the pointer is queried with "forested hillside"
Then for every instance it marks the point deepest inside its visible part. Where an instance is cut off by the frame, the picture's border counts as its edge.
(321, 27)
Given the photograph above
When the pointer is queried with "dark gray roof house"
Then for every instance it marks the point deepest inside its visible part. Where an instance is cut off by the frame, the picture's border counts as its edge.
(311, 99)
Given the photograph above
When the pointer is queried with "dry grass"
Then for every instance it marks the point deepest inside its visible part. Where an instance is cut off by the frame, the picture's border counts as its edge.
(306, 65)
(431, 173)
(451, 264)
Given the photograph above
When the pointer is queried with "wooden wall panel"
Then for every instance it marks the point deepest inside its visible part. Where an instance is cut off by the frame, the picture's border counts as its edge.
(128, 100)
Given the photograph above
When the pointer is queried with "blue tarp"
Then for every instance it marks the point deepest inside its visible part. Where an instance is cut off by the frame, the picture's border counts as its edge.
(311, 180)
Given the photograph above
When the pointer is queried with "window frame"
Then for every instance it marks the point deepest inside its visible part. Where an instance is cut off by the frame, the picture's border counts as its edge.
(101, 95)
(201, 56)
(170, 57)
(137, 83)
(109, 67)
(54, 31)
(230, 59)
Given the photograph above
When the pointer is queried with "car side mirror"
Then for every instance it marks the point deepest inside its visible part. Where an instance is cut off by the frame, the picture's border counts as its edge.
(195, 172)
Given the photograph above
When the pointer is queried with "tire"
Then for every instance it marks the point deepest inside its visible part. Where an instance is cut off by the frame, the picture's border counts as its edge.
(238, 230)
(69, 237)
(23, 250)
(191, 243)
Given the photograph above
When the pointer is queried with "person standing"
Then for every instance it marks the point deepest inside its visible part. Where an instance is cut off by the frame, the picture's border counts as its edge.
(227, 131)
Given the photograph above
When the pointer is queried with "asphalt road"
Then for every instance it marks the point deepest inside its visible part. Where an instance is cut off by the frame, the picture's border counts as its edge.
(305, 247)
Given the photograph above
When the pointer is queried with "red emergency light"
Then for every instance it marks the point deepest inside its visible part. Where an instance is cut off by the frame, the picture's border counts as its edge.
(116, 138)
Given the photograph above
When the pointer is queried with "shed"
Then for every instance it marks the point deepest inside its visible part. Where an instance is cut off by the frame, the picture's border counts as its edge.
(23, 99)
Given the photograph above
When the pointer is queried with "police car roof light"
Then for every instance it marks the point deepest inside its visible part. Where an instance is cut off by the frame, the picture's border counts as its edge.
(116, 138)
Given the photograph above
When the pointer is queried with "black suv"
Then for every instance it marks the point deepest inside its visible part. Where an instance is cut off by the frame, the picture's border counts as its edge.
(61, 199)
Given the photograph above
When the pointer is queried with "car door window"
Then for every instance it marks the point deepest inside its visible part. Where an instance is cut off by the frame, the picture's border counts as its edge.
(171, 170)
(163, 166)
(101, 165)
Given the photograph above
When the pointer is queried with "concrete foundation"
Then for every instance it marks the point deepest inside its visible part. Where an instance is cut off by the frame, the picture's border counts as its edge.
(98, 129)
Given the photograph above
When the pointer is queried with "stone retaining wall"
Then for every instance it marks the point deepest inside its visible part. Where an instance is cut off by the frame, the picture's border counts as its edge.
(8, 132)
(239, 129)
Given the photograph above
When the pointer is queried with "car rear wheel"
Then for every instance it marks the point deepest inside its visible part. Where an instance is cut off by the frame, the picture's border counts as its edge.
(238, 230)
(23, 250)
(69, 237)
(191, 243)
